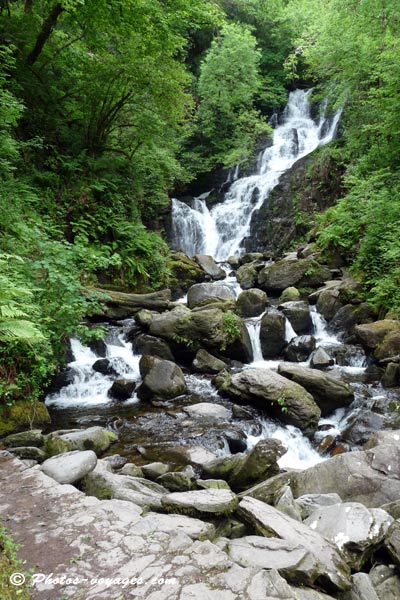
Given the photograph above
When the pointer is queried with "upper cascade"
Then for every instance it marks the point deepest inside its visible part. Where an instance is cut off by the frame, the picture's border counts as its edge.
(220, 231)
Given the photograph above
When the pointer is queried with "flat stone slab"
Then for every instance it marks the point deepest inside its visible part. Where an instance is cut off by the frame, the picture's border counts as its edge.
(71, 466)
(210, 501)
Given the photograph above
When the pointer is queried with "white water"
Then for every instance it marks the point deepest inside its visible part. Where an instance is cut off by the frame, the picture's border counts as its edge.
(322, 336)
(90, 388)
(254, 327)
(220, 232)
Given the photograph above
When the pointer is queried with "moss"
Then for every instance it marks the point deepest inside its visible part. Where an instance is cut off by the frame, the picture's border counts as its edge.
(54, 445)
(96, 486)
(23, 415)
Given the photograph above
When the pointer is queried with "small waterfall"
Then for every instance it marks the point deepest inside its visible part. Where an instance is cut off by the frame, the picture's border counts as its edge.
(221, 230)
(254, 327)
(88, 387)
(321, 333)
(289, 331)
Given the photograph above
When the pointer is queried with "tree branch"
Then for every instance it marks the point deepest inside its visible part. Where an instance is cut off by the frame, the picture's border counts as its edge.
(45, 32)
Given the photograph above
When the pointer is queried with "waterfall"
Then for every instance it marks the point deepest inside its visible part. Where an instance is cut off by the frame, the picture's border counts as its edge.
(254, 327)
(321, 333)
(221, 230)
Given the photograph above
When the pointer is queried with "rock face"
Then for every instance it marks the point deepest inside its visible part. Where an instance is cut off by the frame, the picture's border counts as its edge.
(300, 348)
(206, 502)
(204, 293)
(209, 266)
(204, 362)
(212, 328)
(370, 477)
(279, 396)
(71, 466)
(355, 529)
(305, 272)
(161, 379)
(299, 316)
(272, 334)
(251, 303)
(331, 570)
(328, 392)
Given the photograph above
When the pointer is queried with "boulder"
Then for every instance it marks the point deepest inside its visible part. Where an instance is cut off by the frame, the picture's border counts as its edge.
(132, 470)
(180, 455)
(122, 389)
(28, 453)
(309, 503)
(285, 502)
(386, 581)
(259, 464)
(247, 276)
(218, 331)
(332, 572)
(251, 303)
(154, 470)
(299, 348)
(208, 412)
(391, 376)
(350, 315)
(371, 477)
(70, 467)
(163, 379)
(97, 439)
(380, 438)
(392, 542)
(104, 366)
(328, 303)
(250, 257)
(215, 484)
(184, 272)
(279, 396)
(105, 485)
(201, 503)
(223, 466)
(304, 272)
(209, 266)
(373, 335)
(360, 425)
(176, 481)
(290, 294)
(148, 344)
(329, 393)
(321, 359)
(299, 316)
(204, 362)
(272, 333)
(32, 437)
(361, 588)
(233, 262)
(119, 305)
(389, 347)
(203, 293)
(355, 529)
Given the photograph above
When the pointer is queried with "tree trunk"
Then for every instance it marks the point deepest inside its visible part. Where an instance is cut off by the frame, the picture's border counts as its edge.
(47, 28)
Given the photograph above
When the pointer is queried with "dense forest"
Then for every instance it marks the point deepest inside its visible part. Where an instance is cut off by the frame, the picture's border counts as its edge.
(106, 107)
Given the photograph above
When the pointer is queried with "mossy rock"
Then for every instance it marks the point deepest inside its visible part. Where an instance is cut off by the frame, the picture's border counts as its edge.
(184, 272)
(23, 415)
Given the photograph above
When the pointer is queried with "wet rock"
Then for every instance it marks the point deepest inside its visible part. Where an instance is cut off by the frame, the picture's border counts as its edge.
(371, 477)
(29, 453)
(143, 318)
(279, 396)
(391, 376)
(97, 439)
(354, 529)
(104, 366)
(251, 303)
(247, 276)
(184, 272)
(328, 303)
(299, 316)
(202, 502)
(360, 425)
(272, 333)
(380, 438)
(300, 348)
(33, 437)
(70, 467)
(386, 582)
(290, 294)
(203, 293)
(116, 461)
(181, 455)
(99, 347)
(148, 344)
(222, 467)
(259, 464)
(392, 542)
(250, 257)
(304, 272)
(293, 561)
(208, 412)
(309, 503)
(372, 335)
(349, 355)
(321, 359)
(332, 571)
(233, 261)
(122, 389)
(162, 379)
(154, 470)
(176, 481)
(329, 393)
(103, 484)
(209, 266)
(351, 315)
(204, 362)
(62, 379)
(361, 588)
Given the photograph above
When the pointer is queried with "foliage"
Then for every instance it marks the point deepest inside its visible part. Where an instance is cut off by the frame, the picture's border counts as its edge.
(9, 564)
(231, 325)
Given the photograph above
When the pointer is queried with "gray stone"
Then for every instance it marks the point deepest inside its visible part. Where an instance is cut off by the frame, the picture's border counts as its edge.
(209, 266)
(361, 588)
(259, 464)
(154, 470)
(194, 528)
(32, 437)
(300, 348)
(386, 582)
(328, 303)
(148, 344)
(280, 397)
(354, 529)
(70, 467)
(215, 484)
(203, 293)
(205, 502)
(272, 333)
(270, 522)
(208, 412)
(286, 504)
(176, 481)
(290, 294)
(309, 503)
(132, 470)
(204, 362)
(163, 379)
(392, 542)
(29, 453)
(329, 393)
(122, 389)
(251, 302)
(247, 276)
(321, 359)
(97, 439)
(391, 376)
(380, 438)
(181, 455)
(299, 316)
(392, 508)
(293, 273)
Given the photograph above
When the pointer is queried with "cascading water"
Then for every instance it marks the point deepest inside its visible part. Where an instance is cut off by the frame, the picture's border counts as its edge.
(220, 232)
